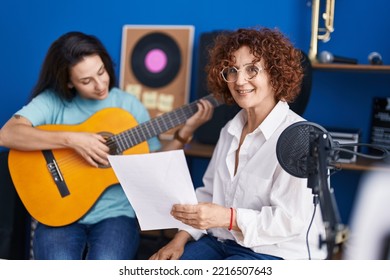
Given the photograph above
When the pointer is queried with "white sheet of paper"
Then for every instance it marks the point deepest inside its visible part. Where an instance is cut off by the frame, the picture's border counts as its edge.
(153, 183)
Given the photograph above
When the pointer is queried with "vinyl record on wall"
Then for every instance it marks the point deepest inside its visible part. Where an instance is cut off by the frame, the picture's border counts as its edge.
(155, 60)
(156, 65)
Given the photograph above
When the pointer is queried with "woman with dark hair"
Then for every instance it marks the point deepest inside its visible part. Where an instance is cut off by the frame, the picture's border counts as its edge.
(250, 207)
(76, 81)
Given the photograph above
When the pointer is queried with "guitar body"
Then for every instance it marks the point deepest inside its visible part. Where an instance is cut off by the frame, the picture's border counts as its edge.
(37, 188)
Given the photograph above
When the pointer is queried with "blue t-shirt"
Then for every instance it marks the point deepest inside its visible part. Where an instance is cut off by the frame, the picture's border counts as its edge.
(48, 108)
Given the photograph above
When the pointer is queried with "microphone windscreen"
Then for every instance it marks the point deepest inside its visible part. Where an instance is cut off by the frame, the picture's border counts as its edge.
(293, 147)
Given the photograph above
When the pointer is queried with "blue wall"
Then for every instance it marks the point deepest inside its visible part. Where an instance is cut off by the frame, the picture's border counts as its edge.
(343, 99)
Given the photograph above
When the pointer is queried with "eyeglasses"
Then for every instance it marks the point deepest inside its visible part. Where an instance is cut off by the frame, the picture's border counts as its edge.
(230, 73)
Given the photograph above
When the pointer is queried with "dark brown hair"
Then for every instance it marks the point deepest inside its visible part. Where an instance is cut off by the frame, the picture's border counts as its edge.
(64, 53)
(282, 61)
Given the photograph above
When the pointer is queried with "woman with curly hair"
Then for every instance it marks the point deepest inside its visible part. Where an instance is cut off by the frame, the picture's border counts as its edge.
(249, 206)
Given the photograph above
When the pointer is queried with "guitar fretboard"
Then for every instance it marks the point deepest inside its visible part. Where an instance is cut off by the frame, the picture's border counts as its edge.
(158, 125)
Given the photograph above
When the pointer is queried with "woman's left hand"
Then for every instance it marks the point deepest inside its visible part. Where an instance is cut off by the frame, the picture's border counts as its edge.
(202, 215)
(204, 114)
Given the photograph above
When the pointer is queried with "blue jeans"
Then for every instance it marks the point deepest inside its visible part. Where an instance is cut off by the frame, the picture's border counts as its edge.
(111, 239)
(209, 248)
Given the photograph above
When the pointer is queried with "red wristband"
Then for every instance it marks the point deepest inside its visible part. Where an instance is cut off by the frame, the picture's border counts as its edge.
(231, 219)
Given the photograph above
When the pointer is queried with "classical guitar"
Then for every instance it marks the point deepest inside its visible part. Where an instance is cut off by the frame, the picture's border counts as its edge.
(58, 187)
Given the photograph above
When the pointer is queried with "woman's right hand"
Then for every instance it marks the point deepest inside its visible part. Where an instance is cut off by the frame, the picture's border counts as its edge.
(174, 249)
(92, 147)
(18, 133)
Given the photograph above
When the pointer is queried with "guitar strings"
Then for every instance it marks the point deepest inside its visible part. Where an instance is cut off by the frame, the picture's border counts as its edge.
(125, 140)
(130, 138)
(152, 128)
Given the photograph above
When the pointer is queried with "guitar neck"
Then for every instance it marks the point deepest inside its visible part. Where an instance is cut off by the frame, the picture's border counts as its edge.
(158, 125)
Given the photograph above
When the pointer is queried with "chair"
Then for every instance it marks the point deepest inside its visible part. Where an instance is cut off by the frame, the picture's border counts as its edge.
(14, 219)
(300, 104)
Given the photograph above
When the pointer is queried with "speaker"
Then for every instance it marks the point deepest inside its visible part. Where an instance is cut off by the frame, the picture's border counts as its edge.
(208, 133)
(156, 65)
(380, 123)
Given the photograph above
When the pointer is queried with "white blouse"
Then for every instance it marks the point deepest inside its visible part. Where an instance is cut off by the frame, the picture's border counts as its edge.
(274, 208)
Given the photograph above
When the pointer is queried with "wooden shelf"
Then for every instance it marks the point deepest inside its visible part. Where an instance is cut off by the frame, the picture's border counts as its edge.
(364, 164)
(351, 67)
(196, 149)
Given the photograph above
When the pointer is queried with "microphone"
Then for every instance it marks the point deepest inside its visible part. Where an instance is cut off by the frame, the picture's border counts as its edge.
(302, 150)
(296, 155)
(328, 57)
(375, 58)
(293, 147)
(306, 150)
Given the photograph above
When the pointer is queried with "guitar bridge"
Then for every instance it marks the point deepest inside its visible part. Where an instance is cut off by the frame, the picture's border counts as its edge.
(55, 173)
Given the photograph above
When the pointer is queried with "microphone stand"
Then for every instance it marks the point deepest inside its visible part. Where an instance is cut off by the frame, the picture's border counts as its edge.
(319, 150)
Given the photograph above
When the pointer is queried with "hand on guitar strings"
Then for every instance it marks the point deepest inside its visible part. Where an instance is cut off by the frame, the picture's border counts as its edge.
(204, 114)
(90, 146)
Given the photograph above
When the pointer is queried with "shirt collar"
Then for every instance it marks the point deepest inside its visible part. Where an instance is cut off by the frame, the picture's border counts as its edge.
(274, 119)
(268, 126)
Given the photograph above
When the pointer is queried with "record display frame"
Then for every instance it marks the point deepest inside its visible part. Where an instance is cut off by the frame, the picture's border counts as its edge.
(156, 63)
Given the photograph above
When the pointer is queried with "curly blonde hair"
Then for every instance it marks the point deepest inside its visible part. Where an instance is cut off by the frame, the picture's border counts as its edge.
(282, 61)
